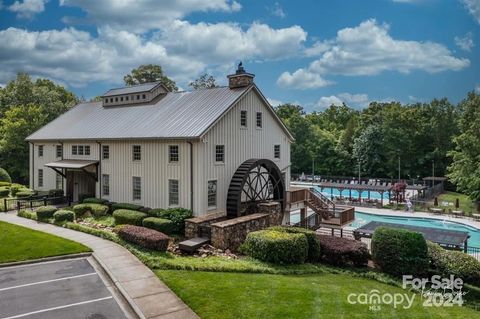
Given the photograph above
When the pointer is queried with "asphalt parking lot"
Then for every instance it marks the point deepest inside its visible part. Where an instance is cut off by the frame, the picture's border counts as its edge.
(56, 290)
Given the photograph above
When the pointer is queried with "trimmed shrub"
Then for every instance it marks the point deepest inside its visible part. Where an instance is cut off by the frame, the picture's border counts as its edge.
(46, 212)
(450, 262)
(4, 176)
(176, 215)
(130, 217)
(23, 193)
(81, 197)
(116, 206)
(144, 237)
(94, 200)
(64, 216)
(5, 184)
(343, 251)
(277, 247)
(15, 188)
(399, 252)
(161, 224)
(94, 209)
(313, 242)
(4, 192)
(27, 214)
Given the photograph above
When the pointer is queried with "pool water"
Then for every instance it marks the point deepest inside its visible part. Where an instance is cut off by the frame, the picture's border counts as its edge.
(346, 193)
(364, 218)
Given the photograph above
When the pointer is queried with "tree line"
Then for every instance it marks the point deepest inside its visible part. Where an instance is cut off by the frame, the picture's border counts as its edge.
(427, 138)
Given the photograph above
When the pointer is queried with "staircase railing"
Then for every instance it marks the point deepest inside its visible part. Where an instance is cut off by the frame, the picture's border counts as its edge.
(321, 199)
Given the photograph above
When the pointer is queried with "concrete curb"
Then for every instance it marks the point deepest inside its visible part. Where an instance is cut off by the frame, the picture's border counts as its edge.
(120, 288)
(40, 260)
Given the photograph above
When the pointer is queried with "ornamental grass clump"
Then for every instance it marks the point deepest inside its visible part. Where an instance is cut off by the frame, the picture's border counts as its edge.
(144, 237)
(277, 247)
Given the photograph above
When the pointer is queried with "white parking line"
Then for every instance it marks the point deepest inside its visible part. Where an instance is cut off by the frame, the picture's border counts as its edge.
(42, 263)
(59, 307)
(47, 281)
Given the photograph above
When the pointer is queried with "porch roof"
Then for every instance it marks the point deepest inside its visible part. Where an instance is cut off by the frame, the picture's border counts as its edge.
(72, 164)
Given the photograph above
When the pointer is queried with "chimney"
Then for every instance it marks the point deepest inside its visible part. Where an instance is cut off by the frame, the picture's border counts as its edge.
(240, 78)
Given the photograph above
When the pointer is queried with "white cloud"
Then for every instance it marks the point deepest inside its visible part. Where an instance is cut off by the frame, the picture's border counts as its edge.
(477, 88)
(352, 100)
(277, 10)
(142, 15)
(274, 102)
(368, 49)
(184, 50)
(465, 42)
(302, 79)
(27, 8)
(473, 7)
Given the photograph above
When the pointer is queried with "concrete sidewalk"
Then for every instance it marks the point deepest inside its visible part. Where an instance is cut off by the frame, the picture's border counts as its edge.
(149, 297)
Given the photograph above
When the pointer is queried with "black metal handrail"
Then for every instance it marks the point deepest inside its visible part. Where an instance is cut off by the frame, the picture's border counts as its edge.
(33, 201)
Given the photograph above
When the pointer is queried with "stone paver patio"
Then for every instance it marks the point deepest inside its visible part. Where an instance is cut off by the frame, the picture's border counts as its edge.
(149, 297)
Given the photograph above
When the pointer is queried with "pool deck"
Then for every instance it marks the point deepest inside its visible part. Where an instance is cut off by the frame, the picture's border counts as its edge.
(400, 213)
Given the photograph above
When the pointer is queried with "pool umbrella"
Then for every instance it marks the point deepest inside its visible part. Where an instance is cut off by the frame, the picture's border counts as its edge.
(457, 203)
(435, 202)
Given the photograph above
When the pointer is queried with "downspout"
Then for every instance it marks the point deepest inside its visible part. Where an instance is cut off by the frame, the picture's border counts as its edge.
(191, 175)
(99, 169)
(32, 175)
(64, 172)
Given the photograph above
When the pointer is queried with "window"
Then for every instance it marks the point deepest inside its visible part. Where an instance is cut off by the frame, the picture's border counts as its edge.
(116, 99)
(137, 188)
(219, 153)
(136, 152)
(40, 150)
(276, 151)
(243, 118)
(121, 99)
(143, 96)
(111, 100)
(80, 149)
(126, 98)
(212, 193)
(58, 181)
(259, 119)
(173, 155)
(40, 178)
(106, 185)
(138, 96)
(173, 192)
(105, 152)
(59, 150)
(74, 149)
(87, 149)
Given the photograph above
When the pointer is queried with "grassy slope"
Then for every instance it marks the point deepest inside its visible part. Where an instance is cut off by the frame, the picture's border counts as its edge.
(465, 202)
(19, 243)
(239, 295)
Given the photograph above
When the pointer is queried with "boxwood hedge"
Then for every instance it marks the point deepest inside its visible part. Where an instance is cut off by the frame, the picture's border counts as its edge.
(94, 209)
(161, 224)
(176, 215)
(116, 206)
(398, 251)
(64, 216)
(46, 212)
(130, 217)
(313, 242)
(276, 246)
(94, 200)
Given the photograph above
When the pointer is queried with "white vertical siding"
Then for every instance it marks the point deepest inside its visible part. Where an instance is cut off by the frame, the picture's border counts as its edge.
(240, 144)
(49, 175)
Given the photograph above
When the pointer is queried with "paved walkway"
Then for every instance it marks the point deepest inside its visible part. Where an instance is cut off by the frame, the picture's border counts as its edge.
(148, 296)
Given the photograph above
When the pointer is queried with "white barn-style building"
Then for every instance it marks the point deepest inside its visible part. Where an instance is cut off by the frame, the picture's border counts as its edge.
(143, 144)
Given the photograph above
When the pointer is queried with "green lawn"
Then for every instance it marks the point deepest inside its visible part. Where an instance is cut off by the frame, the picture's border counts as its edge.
(465, 202)
(19, 243)
(241, 295)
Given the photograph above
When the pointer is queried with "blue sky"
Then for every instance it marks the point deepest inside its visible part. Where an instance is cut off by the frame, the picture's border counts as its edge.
(314, 53)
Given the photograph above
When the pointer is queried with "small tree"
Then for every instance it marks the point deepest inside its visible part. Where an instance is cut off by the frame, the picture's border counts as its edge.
(205, 81)
(149, 73)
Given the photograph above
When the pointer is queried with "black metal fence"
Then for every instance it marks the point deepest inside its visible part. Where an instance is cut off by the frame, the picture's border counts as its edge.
(33, 202)
(474, 251)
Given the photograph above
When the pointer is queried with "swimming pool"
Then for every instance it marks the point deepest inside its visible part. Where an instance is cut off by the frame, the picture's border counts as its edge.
(364, 218)
(346, 193)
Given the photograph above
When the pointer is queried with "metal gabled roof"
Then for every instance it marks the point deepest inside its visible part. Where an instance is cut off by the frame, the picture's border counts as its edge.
(133, 89)
(176, 115)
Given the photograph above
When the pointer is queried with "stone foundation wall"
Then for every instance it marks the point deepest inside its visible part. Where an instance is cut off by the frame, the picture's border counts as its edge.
(231, 233)
(197, 227)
